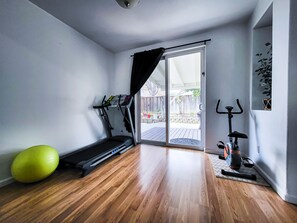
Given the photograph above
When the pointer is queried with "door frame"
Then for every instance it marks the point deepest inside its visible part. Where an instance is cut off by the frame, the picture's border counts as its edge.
(166, 57)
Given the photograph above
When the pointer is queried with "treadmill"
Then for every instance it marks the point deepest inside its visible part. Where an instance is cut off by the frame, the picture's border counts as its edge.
(89, 157)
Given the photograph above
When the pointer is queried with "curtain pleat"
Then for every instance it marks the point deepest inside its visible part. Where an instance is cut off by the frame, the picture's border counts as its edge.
(144, 63)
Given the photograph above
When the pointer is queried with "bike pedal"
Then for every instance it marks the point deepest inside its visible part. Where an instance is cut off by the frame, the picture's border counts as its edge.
(221, 145)
(222, 157)
(249, 165)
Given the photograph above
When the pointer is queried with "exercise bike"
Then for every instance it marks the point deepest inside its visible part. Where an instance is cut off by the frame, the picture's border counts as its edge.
(232, 153)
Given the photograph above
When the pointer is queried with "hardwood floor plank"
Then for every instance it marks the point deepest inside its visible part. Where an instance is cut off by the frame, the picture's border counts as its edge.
(145, 184)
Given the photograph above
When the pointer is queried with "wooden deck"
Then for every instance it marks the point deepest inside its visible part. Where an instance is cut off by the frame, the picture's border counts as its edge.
(159, 134)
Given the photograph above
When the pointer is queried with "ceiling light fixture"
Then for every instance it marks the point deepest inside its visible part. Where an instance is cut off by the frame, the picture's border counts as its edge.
(127, 4)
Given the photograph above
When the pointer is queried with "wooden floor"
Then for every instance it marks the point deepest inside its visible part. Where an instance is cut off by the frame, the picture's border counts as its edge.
(146, 184)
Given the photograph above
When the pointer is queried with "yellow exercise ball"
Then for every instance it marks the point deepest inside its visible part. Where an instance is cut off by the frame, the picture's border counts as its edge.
(34, 164)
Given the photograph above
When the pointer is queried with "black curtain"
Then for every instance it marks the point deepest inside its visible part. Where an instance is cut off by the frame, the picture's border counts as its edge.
(144, 63)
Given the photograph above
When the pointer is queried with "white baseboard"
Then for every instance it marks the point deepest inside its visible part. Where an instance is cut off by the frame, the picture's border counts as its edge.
(6, 181)
(284, 195)
(272, 183)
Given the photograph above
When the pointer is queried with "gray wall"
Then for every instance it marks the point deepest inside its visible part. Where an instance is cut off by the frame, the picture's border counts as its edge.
(49, 78)
(227, 77)
(273, 134)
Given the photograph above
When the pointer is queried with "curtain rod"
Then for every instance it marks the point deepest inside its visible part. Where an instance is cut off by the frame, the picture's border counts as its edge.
(187, 44)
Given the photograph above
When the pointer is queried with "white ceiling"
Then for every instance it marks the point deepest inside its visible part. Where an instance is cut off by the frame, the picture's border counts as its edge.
(152, 21)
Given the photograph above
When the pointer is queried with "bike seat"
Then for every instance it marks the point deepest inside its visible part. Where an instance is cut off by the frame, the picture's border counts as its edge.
(236, 134)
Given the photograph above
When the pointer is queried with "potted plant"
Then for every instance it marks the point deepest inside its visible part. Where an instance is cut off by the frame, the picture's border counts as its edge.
(264, 71)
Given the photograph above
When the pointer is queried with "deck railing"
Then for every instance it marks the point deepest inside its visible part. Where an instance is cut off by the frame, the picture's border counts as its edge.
(183, 109)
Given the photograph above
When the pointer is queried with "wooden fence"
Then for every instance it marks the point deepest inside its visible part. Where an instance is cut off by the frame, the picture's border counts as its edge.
(186, 104)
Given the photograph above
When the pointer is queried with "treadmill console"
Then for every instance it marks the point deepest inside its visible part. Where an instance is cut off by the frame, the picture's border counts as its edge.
(118, 100)
(126, 100)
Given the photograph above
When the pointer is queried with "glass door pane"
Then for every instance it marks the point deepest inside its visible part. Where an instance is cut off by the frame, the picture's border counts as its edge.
(152, 106)
(185, 99)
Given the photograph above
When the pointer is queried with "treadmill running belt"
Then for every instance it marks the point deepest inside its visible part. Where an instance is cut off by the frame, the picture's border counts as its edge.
(95, 150)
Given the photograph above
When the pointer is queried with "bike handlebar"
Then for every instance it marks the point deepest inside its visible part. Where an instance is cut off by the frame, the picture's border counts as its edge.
(238, 112)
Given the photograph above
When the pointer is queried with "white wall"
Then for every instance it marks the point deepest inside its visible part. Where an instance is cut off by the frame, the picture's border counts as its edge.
(259, 11)
(49, 77)
(273, 133)
(227, 76)
(261, 36)
(292, 109)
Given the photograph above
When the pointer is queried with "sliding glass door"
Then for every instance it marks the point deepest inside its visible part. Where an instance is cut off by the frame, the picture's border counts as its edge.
(171, 101)
(185, 99)
(153, 108)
